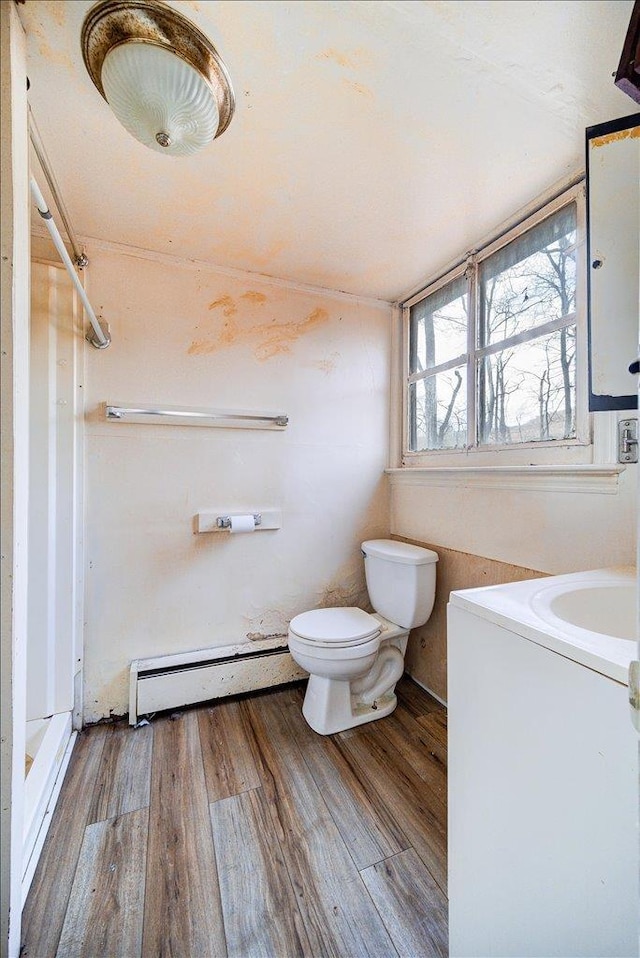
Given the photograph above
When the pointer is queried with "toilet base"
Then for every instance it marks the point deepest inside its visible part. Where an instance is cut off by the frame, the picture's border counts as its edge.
(330, 707)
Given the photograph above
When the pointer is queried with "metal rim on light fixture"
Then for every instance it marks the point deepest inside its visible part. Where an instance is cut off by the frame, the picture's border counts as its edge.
(113, 22)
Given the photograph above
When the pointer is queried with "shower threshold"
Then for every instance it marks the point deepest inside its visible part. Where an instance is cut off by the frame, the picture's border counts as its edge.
(48, 749)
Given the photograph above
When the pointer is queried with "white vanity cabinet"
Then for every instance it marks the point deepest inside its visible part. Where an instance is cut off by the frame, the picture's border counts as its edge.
(543, 795)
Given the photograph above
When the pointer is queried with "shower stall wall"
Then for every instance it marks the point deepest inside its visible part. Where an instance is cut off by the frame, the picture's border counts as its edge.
(54, 618)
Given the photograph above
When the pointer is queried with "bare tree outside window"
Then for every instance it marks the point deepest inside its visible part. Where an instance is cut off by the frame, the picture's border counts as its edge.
(438, 348)
(526, 391)
(523, 358)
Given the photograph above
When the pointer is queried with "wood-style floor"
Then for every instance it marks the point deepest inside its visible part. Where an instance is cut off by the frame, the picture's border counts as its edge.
(233, 829)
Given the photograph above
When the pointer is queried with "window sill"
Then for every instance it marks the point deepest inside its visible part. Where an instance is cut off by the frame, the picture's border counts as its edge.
(567, 478)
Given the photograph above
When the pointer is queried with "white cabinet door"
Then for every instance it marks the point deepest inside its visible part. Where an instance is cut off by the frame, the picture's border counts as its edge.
(543, 814)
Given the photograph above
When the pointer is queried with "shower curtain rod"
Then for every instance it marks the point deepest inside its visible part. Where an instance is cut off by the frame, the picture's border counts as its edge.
(79, 256)
(101, 337)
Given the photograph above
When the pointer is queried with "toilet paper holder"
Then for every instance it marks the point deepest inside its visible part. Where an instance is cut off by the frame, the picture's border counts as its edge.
(217, 519)
(224, 522)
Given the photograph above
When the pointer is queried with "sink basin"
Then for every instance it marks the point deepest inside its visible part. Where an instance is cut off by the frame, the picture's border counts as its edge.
(590, 617)
(609, 609)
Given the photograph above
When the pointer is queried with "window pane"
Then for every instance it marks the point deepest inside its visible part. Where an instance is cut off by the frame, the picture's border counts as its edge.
(527, 392)
(438, 411)
(531, 281)
(438, 326)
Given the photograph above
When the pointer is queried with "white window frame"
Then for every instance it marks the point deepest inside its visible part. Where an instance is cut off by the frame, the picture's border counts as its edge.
(574, 450)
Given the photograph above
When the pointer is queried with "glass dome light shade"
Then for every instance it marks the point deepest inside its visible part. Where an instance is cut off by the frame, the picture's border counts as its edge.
(159, 98)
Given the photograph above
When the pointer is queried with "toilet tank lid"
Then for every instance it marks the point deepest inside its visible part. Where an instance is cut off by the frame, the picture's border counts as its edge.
(395, 551)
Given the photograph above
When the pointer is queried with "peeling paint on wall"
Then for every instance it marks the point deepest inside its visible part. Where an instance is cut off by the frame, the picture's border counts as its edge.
(268, 624)
(258, 636)
(346, 588)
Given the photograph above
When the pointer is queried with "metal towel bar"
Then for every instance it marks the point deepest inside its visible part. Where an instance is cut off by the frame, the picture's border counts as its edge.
(193, 416)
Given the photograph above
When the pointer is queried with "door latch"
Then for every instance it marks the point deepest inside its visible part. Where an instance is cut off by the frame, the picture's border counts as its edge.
(628, 440)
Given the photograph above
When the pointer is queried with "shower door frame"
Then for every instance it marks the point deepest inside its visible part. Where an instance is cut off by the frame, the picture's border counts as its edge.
(56, 574)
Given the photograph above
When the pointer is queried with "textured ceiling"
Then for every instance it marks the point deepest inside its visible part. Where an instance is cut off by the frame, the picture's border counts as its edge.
(372, 141)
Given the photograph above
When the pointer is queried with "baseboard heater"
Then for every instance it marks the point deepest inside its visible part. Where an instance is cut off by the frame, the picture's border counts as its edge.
(186, 678)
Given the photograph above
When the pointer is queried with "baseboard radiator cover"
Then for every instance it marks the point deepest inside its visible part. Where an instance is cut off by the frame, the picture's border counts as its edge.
(186, 678)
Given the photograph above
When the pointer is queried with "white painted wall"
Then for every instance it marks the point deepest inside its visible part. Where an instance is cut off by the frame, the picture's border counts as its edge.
(185, 335)
(14, 394)
(553, 532)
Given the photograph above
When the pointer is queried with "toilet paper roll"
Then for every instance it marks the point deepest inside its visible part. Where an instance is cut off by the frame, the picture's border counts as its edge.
(243, 524)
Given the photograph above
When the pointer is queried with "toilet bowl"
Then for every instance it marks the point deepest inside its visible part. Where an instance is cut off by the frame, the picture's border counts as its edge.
(355, 658)
(335, 643)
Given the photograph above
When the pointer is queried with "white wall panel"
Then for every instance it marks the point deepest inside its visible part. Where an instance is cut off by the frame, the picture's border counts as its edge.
(182, 335)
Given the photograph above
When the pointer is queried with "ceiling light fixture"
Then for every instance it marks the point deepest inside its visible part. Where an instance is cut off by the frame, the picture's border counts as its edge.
(161, 76)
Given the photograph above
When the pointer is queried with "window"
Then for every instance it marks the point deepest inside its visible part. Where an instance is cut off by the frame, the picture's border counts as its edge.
(493, 345)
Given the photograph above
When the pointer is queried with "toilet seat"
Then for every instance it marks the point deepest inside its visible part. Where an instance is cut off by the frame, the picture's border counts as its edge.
(339, 628)
(330, 647)
(339, 655)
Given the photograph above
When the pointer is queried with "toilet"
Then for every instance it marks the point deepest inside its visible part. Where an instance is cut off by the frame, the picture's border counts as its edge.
(353, 658)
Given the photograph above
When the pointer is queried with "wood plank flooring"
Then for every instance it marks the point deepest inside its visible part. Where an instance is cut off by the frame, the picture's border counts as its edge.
(233, 829)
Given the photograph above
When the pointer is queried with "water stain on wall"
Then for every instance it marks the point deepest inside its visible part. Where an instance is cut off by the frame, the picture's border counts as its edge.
(346, 588)
(350, 61)
(252, 297)
(340, 592)
(340, 58)
(269, 339)
(42, 37)
(58, 57)
(58, 13)
(226, 304)
(326, 366)
(426, 657)
(359, 88)
(631, 134)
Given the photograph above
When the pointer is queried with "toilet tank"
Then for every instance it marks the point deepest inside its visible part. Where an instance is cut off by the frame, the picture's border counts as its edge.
(401, 580)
